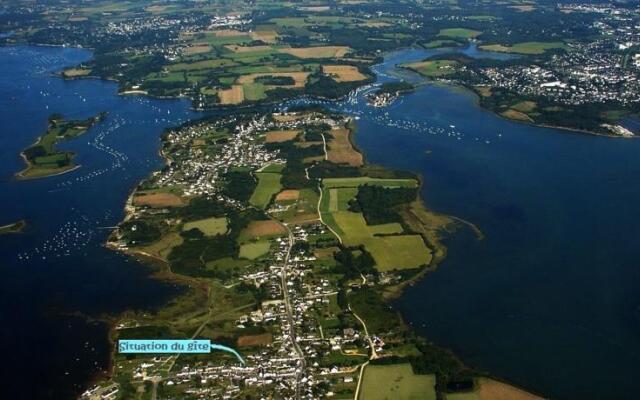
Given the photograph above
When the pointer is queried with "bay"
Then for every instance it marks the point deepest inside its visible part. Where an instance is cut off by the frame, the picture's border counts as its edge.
(549, 299)
(56, 276)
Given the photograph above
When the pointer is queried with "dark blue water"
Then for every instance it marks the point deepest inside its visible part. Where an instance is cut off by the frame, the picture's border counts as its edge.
(550, 299)
(57, 272)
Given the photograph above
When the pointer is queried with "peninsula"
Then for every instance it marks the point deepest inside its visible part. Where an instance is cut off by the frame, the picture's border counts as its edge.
(43, 159)
(287, 244)
(289, 247)
(15, 227)
(388, 92)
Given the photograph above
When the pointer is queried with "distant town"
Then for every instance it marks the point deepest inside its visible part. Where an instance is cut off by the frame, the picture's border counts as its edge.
(577, 70)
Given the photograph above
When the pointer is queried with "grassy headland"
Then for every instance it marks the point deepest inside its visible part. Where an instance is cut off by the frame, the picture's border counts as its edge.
(15, 227)
(360, 232)
(43, 158)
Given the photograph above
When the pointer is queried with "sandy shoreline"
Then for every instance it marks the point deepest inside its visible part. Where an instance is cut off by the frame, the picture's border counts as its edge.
(20, 175)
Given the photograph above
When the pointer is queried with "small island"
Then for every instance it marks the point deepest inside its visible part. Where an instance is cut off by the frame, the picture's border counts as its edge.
(43, 159)
(388, 93)
(15, 227)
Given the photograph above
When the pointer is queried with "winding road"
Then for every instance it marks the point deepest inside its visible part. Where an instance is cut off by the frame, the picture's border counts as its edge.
(289, 310)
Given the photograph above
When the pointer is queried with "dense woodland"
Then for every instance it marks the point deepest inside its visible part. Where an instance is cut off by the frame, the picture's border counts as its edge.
(377, 203)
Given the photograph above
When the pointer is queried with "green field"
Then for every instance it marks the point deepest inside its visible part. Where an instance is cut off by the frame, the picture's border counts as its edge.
(208, 91)
(15, 227)
(525, 47)
(463, 396)
(396, 382)
(257, 69)
(390, 252)
(268, 185)
(304, 208)
(365, 180)
(254, 91)
(227, 264)
(211, 39)
(43, 159)
(201, 65)
(251, 251)
(302, 22)
(290, 22)
(433, 68)
(339, 198)
(162, 248)
(525, 106)
(459, 33)
(399, 252)
(440, 43)
(386, 229)
(248, 56)
(208, 226)
(355, 228)
(273, 168)
(167, 76)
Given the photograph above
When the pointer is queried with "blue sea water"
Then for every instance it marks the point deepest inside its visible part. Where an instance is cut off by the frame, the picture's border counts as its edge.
(549, 299)
(57, 271)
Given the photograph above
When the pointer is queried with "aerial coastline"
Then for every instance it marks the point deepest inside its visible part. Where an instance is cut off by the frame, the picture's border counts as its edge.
(281, 236)
(413, 216)
(622, 132)
(611, 129)
(15, 227)
(43, 159)
(432, 237)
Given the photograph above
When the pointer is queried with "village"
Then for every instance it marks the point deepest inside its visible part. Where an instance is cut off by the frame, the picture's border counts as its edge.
(604, 70)
(293, 355)
(267, 230)
(589, 73)
(297, 337)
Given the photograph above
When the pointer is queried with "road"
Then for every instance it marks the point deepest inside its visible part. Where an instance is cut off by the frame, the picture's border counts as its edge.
(320, 215)
(289, 310)
(154, 388)
(362, 367)
(324, 145)
(374, 355)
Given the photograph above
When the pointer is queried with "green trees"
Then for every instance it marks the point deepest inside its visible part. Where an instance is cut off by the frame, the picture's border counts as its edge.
(377, 203)
(324, 86)
(352, 266)
(393, 87)
(239, 185)
(139, 232)
(293, 174)
(275, 80)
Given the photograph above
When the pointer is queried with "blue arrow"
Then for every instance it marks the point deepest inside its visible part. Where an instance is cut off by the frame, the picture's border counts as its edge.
(215, 346)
